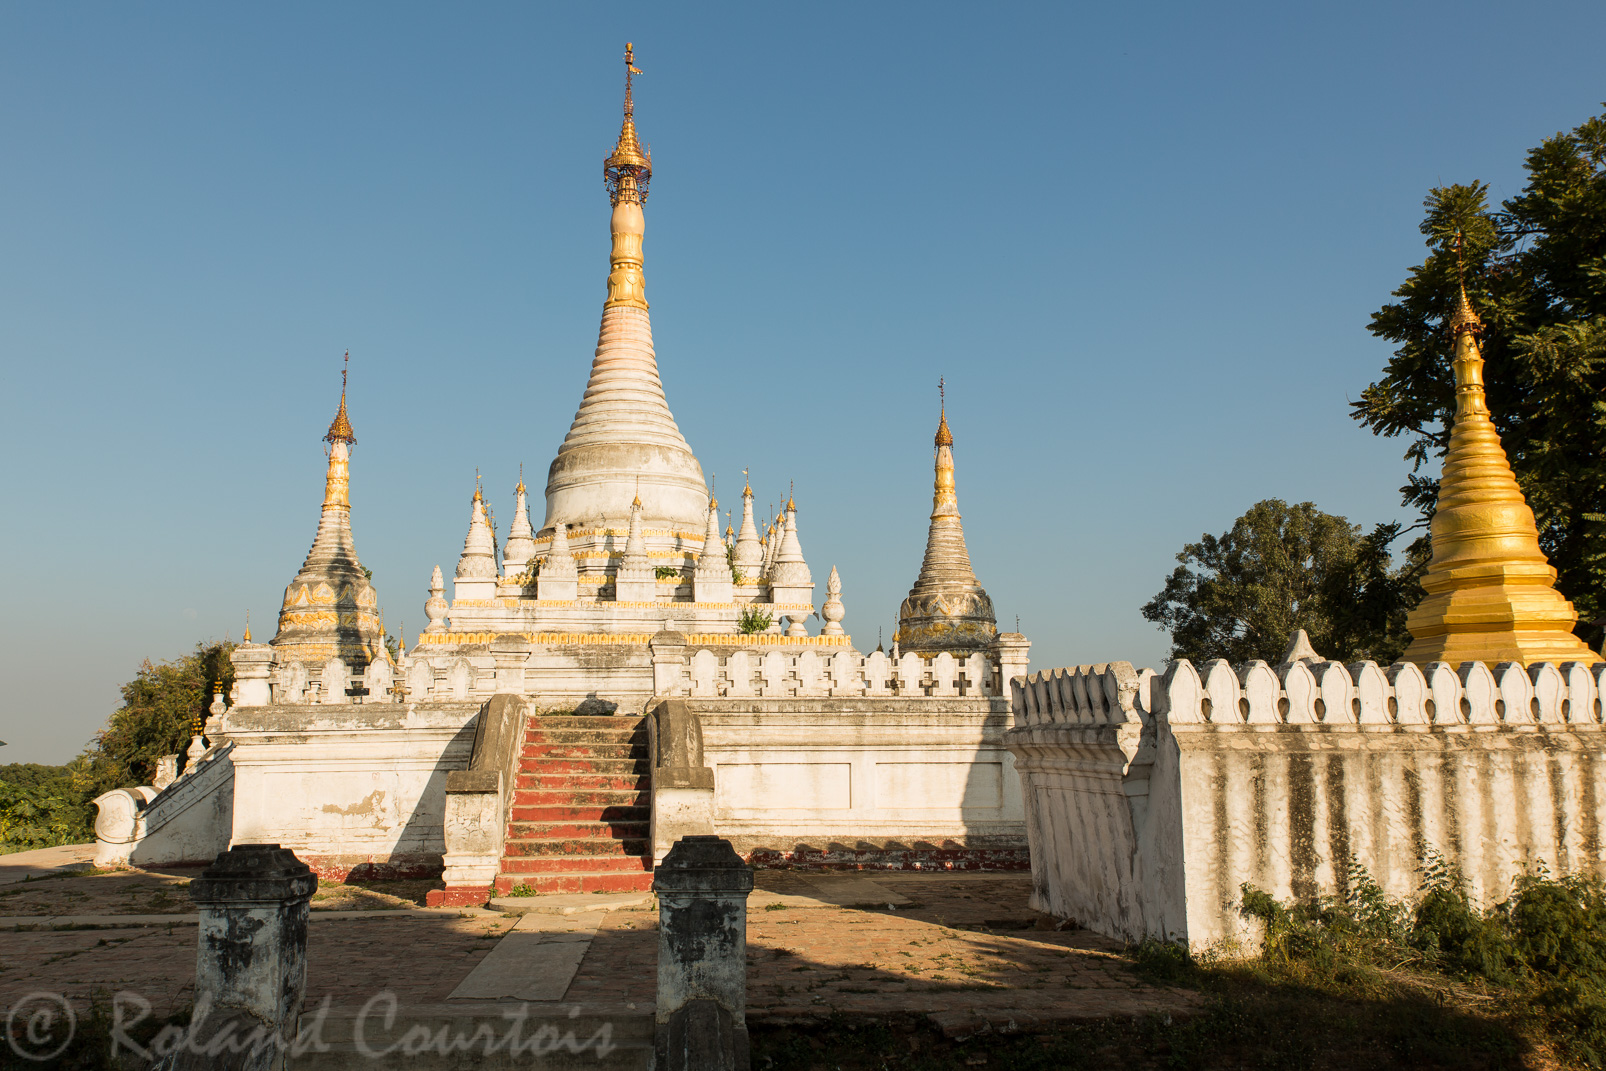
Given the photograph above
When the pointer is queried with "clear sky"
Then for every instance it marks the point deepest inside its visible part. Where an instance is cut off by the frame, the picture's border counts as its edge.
(1140, 241)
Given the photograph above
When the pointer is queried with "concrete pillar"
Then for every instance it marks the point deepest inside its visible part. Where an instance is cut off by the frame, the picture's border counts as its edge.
(668, 662)
(251, 959)
(1014, 655)
(510, 653)
(253, 671)
(701, 1020)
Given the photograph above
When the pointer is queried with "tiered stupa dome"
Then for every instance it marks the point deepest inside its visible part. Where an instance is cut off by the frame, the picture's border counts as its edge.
(624, 442)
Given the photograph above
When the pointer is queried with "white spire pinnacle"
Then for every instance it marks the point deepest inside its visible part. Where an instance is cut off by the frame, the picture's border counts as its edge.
(833, 611)
(635, 581)
(520, 539)
(749, 551)
(712, 581)
(479, 546)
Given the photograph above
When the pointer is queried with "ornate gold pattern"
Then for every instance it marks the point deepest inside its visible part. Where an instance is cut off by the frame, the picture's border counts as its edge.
(1491, 593)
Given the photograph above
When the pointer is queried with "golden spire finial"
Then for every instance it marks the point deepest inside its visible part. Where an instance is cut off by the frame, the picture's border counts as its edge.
(944, 436)
(247, 637)
(791, 503)
(519, 490)
(1463, 317)
(1491, 593)
(478, 495)
(747, 485)
(628, 170)
(340, 427)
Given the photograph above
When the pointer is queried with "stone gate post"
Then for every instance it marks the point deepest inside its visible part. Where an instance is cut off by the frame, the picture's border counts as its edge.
(701, 1021)
(251, 958)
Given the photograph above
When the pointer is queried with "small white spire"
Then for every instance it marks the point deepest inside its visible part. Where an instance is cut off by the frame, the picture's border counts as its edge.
(833, 611)
(634, 580)
(520, 538)
(712, 580)
(479, 546)
(435, 606)
(749, 551)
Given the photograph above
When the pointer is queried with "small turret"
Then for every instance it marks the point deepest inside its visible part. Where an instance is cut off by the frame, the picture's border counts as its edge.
(476, 569)
(436, 606)
(833, 611)
(560, 577)
(520, 538)
(790, 581)
(712, 581)
(635, 581)
(749, 560)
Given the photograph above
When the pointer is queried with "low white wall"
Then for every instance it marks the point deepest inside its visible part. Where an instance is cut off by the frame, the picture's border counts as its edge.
(187, 821)
(888, 782)
(348, 787)
(1150, 800)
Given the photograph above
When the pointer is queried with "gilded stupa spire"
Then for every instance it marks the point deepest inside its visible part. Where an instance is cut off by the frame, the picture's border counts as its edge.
(623, 429)
(628, 169)
(330, 608)
(947, 608)
(1491, 593)
(340, 428)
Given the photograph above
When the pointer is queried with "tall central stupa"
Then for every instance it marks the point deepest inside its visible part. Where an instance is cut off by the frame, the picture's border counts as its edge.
(624, 445)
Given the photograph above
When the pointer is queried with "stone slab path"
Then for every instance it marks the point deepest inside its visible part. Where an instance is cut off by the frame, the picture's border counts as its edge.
(536, 960)
(960, 948)
(23, 866)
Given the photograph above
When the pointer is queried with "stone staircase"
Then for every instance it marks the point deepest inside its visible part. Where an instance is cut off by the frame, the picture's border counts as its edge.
(578, 820)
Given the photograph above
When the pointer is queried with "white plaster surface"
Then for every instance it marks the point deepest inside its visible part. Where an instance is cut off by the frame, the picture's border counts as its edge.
(1150, 800)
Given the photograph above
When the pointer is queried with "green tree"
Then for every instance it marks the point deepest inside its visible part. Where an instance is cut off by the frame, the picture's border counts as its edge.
(41, 806)
(160, 706)
(1536, 272)
(1241, 595)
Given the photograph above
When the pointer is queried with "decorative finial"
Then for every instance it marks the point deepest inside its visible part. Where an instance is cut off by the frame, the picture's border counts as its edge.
(1463, 317)
(340, 428)
(628, 170)
(478, 497)
(791, 504)
(747, 485)
(519, 490)
(944, 436)
(247, 637)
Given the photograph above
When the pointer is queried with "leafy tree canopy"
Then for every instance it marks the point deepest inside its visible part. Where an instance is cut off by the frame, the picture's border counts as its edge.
(41, 806)
(1241, 595)
(1536, 273)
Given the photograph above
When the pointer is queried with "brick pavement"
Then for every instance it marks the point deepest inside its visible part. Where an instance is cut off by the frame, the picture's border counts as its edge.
(963, 949)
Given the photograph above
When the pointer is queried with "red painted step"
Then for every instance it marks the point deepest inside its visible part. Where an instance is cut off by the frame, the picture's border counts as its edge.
(572, 830)
(570, 865)
(574, 883)
(580, 814)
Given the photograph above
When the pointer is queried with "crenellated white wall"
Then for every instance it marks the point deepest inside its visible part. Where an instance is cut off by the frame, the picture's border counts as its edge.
(1150, 800)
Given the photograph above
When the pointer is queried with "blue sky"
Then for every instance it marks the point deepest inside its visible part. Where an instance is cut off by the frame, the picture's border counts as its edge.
(1141, 242)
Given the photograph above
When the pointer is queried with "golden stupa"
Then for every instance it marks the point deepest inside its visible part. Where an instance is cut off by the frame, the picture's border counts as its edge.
(1491, 594)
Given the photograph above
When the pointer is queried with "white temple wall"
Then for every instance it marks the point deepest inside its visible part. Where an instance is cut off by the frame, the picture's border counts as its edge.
(354, 787)
(1150, 800)
(842, 777)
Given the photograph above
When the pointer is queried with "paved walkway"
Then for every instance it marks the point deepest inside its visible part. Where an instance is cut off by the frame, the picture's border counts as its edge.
(961, 948)
(23, 866)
